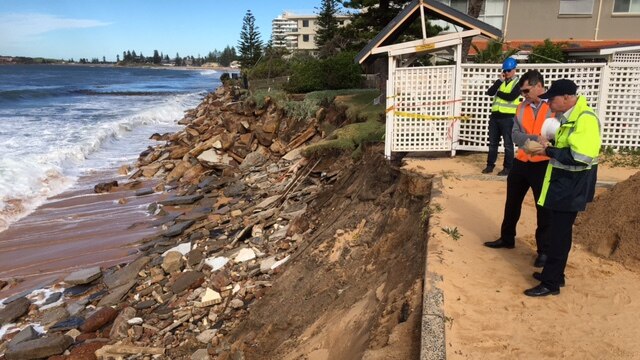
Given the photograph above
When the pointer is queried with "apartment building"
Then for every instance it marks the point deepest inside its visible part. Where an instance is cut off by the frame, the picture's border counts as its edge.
(584, 25)
(298, 31)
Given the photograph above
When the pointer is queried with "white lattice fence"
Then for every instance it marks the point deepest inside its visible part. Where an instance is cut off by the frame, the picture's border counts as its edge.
(477, 78)
(612, 90)
(621, 106)
(628, 57)
(420, 95)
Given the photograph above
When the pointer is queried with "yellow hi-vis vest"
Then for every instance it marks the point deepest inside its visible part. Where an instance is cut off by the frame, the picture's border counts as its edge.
(504, 106)
(567, 187)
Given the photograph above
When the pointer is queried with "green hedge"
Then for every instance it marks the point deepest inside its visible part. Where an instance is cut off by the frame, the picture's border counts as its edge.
(337, 72)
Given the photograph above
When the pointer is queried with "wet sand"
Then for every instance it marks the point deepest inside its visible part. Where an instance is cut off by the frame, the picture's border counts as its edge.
(75, 230)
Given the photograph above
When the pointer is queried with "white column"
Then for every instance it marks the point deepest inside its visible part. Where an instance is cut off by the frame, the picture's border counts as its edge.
(390, 103)
(457, 94)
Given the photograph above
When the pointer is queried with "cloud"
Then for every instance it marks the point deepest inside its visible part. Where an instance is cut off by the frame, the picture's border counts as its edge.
(25, 26)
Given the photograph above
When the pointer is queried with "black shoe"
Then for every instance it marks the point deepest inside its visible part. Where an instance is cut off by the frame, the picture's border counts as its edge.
(538, 276)
(540, 260)
(487, 170)
(540, 290)
(498, 244)
(504, 172)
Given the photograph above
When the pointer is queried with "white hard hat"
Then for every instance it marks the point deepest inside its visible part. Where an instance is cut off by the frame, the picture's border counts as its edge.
(549, 128)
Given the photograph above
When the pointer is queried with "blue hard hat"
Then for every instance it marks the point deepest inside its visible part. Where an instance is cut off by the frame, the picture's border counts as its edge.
(509, 64)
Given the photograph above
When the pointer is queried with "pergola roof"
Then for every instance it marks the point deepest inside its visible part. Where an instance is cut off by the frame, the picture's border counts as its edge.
(405, 18)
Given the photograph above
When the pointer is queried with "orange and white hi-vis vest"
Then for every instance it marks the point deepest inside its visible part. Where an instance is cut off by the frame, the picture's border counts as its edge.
(531, 125)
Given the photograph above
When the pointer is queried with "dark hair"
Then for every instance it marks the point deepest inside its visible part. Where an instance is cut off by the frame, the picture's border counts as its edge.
(533, 77)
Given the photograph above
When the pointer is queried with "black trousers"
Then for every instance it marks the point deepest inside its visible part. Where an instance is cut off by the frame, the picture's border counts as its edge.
(525, 176)
(561, 232)
(500, 127)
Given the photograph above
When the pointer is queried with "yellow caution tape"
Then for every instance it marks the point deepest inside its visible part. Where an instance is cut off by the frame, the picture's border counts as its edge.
(430, 117)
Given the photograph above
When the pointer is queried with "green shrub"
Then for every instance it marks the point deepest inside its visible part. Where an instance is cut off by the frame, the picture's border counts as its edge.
(337, 72)
(341, 72)
(305, 76)
(269, 68)
(547, 52)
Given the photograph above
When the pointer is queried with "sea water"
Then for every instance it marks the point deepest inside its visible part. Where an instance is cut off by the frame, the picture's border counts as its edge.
(58, 123)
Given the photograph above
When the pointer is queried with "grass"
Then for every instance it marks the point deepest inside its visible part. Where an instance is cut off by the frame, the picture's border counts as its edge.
(364, 115)
(452, 232)
(352, 137)
(348, 138)
(428, 211)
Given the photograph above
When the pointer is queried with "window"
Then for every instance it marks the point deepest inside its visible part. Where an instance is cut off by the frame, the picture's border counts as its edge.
(576, 7)
(305, 23)
(305, 38)
(492, 12)
(626, 6)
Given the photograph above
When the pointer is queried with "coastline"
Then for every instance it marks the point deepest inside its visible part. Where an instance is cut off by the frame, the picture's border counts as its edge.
(142, 66)
(74, 229)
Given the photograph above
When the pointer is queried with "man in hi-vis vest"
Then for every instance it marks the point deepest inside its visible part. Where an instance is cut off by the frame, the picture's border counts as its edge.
(528, 170)
(568, 183)
(505, 92)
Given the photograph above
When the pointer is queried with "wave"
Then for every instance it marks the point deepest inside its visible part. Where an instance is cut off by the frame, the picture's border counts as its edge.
(32, 93)
(125, 93)
(209, 72)
(49, 92)
(27, 181)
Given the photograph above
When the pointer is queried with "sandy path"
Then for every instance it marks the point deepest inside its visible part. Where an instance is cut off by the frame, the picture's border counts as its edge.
(487, 316)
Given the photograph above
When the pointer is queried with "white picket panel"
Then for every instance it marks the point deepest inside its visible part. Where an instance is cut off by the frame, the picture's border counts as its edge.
(419, 94)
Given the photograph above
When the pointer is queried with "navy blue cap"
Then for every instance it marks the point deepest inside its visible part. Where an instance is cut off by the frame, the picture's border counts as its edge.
(560, 87)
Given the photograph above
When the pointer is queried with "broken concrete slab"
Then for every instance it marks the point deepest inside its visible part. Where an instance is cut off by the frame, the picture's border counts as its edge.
(216, 263)
(183, 249)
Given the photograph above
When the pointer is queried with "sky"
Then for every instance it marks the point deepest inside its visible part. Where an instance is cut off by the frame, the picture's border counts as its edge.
(64, 29)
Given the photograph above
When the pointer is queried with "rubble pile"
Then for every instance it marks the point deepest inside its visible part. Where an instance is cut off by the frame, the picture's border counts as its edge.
(234, 190)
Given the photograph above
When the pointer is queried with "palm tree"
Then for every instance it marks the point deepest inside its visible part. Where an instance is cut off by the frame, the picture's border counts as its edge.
(493, 54)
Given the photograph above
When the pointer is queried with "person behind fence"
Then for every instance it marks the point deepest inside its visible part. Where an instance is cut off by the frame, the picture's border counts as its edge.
(506, 97)
(569, 178)
(528, 170)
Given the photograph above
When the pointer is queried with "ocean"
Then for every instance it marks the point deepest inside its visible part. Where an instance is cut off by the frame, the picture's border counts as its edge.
(60, 123)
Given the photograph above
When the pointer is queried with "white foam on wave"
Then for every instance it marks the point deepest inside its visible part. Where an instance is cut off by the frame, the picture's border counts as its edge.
(209, 72)
(47, 157)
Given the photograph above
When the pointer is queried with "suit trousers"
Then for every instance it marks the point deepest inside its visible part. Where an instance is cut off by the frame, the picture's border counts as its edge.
(560, 234)
(500, 127)
(522, 177)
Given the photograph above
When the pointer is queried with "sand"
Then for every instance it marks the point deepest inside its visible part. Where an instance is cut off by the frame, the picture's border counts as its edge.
(74, 230)
(487, 316)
